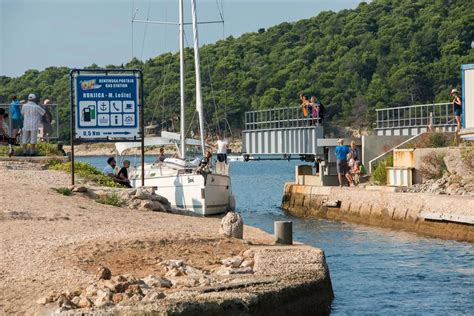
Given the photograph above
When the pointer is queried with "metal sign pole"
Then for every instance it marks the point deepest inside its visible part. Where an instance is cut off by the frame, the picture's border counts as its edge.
(142, 126)
(71, 135)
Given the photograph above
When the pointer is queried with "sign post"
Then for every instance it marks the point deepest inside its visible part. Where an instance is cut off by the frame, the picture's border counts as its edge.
(107, 105)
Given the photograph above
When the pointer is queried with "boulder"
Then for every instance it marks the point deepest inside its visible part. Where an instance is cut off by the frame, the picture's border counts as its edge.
(103, 273)
(156, 281)
(233, 262)
(84, 302)
(153, 295)
(232, 225)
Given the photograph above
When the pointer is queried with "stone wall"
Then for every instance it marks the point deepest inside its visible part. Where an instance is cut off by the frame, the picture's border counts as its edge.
(383, 208)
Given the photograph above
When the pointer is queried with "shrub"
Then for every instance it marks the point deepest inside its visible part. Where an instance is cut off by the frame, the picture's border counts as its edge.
(434, 140)
(63, 191)
(112, 199)
(379, 176)
(467, 156)
(433, 166)
(85, 171)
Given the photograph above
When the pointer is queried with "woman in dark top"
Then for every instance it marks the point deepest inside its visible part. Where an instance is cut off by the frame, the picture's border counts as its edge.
(457, 105)
(123, 174)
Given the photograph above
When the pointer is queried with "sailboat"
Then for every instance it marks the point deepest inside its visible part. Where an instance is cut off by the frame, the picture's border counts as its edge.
(178, 179)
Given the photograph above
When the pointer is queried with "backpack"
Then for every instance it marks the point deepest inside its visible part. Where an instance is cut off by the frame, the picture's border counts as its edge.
(47, 116)
(322, 110)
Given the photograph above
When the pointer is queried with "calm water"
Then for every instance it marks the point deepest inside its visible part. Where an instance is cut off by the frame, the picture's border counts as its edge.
(373, 271)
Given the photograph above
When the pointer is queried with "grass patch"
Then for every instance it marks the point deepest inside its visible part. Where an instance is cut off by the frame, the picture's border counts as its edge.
(85, 171)
(379, 176)
(112, 199)
(63, 191)
(43, 149)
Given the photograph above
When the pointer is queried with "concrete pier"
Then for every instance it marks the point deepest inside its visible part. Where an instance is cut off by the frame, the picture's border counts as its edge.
(383, 207)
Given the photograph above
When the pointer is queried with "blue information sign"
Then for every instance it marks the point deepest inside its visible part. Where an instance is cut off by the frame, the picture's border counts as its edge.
(107, 105)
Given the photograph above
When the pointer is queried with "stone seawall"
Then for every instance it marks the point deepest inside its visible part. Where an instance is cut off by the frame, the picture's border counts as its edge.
(385, 209)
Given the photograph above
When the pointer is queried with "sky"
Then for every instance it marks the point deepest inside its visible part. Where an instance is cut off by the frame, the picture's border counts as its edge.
(35, 34)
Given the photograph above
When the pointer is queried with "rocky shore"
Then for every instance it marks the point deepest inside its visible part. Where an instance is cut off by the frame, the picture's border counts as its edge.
(71, 255)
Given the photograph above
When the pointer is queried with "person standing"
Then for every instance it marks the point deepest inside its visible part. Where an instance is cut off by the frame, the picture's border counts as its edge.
(457, 106)
(15, 116)
(222, 145)
(341, 162)
(32, 114)
(46, 120)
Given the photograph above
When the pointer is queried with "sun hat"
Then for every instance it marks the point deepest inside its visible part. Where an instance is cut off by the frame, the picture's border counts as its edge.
(340, 141)
(454, 91)
(31, 96)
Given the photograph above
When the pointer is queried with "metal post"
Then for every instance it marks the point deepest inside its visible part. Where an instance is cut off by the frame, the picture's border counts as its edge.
(72, 121)
(142, 126)
(181, 80)
(283, 232)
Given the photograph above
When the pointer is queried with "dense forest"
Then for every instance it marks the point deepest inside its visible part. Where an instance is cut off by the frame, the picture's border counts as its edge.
(383, 53)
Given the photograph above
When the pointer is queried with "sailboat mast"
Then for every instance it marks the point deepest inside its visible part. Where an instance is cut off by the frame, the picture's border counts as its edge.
(181, 80)
(199, 108)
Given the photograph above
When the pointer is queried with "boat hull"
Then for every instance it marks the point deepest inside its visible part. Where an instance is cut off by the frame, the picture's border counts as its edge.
(204, 195)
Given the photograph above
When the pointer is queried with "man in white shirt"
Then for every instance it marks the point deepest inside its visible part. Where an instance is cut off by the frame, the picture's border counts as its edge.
(110, 168)
(222, 144)
(32, 114)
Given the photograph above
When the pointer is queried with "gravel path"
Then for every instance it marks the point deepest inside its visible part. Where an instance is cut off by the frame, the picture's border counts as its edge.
(55, 242)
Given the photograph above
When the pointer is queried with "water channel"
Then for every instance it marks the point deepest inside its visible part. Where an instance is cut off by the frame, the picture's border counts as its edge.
(373, 270)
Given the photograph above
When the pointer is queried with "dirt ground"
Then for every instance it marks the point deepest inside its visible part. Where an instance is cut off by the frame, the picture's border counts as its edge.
(49, 241)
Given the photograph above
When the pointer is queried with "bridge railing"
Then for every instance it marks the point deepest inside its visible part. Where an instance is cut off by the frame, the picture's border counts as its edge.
(437, 114)
(278, 118)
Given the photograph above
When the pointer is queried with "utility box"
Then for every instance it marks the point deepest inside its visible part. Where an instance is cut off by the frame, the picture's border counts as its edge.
(404, 158)
(399, 176)
(467, 77)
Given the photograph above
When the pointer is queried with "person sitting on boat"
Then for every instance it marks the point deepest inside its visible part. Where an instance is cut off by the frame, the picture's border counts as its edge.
(161, 156)
(205, 164)
(222, 145)
(123, 174)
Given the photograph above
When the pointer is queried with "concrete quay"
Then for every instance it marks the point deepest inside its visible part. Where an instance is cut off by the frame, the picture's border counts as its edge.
(442, 216)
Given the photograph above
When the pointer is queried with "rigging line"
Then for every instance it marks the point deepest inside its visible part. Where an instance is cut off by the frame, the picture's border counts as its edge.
(166, 67)
(212, 91)
(146, 29)
(134, 13)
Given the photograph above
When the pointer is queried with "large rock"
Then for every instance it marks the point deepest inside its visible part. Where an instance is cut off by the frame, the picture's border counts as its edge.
(232, 225)
(103, 273)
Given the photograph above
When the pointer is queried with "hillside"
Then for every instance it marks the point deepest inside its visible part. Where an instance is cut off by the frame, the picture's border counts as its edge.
(385, 53)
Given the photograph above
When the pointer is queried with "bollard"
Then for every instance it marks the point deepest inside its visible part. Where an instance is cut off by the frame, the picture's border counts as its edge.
(284, 232)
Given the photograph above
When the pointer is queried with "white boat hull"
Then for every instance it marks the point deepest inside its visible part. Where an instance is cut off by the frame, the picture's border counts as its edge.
(208, 195)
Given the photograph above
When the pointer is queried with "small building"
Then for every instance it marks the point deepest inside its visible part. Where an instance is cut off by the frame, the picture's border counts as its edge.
(467, 77)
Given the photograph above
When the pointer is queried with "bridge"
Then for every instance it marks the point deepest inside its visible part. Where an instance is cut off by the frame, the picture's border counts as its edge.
(415, 119)
(281, 131)
(285, 131)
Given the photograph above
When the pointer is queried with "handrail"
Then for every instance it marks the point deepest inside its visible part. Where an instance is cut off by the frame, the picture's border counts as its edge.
(391, 149)
(412, 106)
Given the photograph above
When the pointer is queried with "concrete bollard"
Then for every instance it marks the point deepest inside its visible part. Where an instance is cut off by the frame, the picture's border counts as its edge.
(283, 232)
